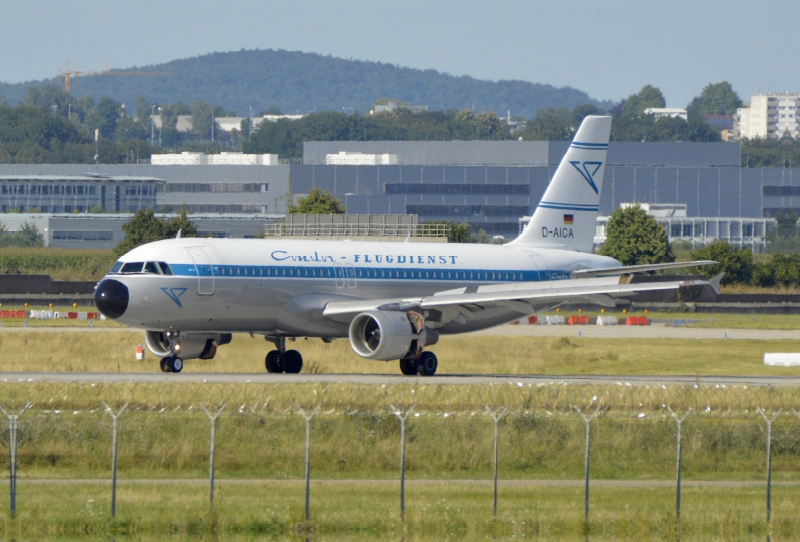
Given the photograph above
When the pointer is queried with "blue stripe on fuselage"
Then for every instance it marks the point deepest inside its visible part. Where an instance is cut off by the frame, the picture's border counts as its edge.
(368, 273)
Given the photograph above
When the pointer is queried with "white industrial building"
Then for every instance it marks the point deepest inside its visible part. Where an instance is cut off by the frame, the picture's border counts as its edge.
(667, 112)
(769, 116)
(222, 159)
(344, 158)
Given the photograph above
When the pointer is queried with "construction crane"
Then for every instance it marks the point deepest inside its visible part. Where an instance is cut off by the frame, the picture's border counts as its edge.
(67, 73)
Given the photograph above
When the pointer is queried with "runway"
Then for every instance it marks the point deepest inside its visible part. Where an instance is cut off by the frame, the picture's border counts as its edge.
(377, 379)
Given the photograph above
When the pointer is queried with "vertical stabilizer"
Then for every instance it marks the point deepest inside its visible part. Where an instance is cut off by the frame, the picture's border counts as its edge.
(567, 215)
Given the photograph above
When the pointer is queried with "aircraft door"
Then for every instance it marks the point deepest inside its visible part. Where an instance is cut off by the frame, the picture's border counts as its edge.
(340, 274)
(205, 274)
(351, 275)
(541, 266)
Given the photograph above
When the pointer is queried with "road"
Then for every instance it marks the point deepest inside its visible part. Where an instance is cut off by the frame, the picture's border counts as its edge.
(372, 379)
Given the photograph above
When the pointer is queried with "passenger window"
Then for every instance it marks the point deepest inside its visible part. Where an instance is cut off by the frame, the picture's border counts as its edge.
(150, 267)
(221, 270)
(165, 268)
(238, 270)
(132, 267)
(244, 271)
(470, 275)
(505, 276)
(382, 275)
(283, 271)
(230, 270)
(449, 275)
(253, 271)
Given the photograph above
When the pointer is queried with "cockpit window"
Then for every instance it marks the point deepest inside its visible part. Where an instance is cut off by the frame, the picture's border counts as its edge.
(165, 268)
(116, 268)
(151, 267)
(132, 267)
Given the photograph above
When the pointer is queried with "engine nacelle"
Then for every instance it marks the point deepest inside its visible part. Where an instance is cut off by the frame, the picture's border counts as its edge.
(388, 335)
(185, 345)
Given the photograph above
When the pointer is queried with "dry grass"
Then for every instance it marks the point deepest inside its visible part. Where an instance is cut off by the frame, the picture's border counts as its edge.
(355, 511)
(101, 350)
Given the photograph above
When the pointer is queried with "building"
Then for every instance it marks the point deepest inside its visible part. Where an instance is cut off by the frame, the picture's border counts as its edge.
(224, 158)
(769, 116)
(77, 193)
(104, 231)
(394, 106)
(667, 112)
(344, 158)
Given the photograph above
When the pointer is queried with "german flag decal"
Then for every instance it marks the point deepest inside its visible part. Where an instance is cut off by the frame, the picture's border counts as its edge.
(568, 220)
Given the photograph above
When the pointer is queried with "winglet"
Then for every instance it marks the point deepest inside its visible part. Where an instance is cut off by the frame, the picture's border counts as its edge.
(716, 281)
(179, 234)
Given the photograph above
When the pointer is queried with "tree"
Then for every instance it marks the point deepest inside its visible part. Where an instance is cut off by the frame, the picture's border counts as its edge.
(633, 237)
(317, 202)
(649, 96)
(787, 223)
(716, 99)
(145, 227)
(27, 236)
(736, 263)
(181, 224)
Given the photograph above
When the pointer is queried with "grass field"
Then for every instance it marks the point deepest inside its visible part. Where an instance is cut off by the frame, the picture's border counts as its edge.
(436, 511)
(52, 350)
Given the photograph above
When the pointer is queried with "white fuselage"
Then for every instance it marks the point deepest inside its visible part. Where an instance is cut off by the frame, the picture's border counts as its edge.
(281, 287)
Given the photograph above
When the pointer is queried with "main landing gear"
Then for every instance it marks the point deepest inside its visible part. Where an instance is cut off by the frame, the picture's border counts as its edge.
(426, 365)
(171, 364)
(282, 360)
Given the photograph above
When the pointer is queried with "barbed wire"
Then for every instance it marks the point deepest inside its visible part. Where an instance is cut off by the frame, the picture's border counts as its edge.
(619, 399)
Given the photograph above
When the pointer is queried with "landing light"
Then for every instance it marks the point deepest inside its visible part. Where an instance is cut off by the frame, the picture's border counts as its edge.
(177, 347)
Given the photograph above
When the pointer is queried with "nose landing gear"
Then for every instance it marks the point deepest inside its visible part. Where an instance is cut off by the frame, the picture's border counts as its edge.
(282, 360)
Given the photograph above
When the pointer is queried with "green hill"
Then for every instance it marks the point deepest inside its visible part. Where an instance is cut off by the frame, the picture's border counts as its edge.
(296, 81)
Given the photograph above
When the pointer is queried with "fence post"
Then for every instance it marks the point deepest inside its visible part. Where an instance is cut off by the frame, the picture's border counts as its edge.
(13, 427)
(114, 455)
(496, 415)
(769, 460)
(213, 419)
(402, 417)
(678, 446)
(308, 418)
(587, 420)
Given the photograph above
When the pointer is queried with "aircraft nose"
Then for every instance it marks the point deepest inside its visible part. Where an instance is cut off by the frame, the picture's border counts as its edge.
(111, 298)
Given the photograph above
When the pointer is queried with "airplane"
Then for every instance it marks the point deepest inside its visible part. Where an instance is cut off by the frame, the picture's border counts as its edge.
(390, 300)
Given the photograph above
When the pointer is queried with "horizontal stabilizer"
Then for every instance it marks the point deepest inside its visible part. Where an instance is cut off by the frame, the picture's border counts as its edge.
(610, 271)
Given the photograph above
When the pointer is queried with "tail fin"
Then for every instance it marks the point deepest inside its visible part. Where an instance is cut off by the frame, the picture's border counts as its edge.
(567, 215)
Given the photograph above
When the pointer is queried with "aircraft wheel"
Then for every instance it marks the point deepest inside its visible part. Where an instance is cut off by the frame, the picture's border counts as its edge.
(427, 364)
(273, 362)
(408, 367)
(164, 364)
(292, 362)
(175, 365)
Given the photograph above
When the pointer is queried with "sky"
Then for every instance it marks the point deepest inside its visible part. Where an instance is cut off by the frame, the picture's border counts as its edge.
(608, 49)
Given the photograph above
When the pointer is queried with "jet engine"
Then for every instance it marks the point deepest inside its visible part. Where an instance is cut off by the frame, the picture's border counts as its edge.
(389, 335)
(186, 345)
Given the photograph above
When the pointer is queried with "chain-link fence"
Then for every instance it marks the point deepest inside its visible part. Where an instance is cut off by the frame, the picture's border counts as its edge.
(63, 435)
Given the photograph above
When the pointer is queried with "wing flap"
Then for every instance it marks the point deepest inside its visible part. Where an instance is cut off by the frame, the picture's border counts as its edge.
(610, 271)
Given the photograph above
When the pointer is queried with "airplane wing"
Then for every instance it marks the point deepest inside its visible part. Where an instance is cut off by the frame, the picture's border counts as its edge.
(608, 271)
(525, 298)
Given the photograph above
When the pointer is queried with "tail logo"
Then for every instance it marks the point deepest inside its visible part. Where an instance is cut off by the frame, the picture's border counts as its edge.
(588, 171)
